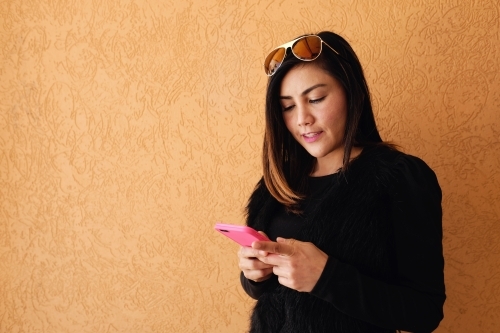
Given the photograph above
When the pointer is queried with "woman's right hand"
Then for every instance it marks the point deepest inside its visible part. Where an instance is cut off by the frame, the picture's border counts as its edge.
(251, 266)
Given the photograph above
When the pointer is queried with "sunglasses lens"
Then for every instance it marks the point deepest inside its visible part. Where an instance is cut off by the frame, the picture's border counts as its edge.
(274, 60)
(307, 48)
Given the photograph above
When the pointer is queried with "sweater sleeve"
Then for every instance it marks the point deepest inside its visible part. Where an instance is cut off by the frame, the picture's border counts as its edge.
(255, 289)
(415, 301)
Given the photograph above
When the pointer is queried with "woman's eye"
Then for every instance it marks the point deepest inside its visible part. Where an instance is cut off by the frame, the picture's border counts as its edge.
(287, 108)
(313, 101)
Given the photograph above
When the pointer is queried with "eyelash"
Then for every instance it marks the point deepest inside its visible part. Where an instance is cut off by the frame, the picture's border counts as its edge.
(312, 101)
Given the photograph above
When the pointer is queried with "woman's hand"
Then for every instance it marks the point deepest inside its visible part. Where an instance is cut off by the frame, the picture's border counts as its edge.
(298, 265)
(251, 266)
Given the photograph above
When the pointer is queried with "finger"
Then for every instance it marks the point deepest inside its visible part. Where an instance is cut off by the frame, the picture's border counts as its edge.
(286, 282)
(260, 253)
(290, 242)
(281, 248)
(258, 275)
(283, 279)
(279, 271)
(263, 253)
(247, 252)
(273, 259)
(253, 264)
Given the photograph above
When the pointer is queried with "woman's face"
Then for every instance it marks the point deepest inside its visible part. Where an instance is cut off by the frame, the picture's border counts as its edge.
(314, 111)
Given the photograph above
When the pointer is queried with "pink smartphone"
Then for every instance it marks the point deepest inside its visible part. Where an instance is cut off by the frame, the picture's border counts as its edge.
(242, 235)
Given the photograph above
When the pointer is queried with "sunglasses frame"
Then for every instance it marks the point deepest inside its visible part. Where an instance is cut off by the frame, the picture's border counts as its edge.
(290, 45)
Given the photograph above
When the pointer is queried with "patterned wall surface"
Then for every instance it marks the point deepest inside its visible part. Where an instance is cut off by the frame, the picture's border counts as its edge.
(128, 128)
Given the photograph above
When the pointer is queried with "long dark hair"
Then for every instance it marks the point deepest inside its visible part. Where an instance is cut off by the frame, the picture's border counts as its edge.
(286, 163)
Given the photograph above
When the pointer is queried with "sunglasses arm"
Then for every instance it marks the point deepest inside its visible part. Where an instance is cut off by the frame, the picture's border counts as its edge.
(331, 48)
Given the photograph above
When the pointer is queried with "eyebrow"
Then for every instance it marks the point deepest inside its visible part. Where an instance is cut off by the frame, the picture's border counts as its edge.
(307, 91)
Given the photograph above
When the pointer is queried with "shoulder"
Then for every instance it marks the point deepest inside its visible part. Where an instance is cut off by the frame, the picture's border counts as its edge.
(389, 166)
(416, 176)
(391, 158)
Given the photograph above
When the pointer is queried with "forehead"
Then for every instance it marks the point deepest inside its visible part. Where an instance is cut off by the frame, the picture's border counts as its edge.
(304, 76)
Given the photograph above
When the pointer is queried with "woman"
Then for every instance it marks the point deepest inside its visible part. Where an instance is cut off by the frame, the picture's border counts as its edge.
(355, 225)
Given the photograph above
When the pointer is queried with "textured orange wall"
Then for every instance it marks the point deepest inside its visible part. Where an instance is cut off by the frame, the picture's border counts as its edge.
(128, 128)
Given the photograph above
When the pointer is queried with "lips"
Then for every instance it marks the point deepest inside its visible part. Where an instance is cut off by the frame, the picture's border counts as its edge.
(311, 136)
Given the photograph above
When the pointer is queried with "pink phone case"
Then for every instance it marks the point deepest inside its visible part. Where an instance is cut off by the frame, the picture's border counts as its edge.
(242, 235)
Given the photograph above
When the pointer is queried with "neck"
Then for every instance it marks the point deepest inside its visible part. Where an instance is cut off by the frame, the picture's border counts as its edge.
(329, 165)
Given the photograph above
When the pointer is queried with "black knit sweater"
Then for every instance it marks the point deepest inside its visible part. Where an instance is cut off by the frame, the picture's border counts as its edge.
(380, 224)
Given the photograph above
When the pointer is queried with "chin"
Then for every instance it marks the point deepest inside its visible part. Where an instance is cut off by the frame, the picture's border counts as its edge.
(317, 154)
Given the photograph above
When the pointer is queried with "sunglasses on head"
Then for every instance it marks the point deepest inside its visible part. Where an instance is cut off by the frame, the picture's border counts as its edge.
(305, 48)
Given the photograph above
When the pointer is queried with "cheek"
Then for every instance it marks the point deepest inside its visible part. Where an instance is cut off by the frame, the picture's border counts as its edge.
(336, 119)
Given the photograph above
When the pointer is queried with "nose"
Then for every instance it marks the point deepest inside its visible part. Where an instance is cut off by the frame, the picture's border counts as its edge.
(304, 116)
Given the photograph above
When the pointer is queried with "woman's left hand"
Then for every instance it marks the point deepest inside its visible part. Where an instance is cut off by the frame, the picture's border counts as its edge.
(297, 264)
